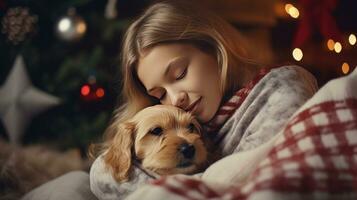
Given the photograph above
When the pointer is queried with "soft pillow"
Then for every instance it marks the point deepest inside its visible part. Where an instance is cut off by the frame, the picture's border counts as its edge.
(73, 185)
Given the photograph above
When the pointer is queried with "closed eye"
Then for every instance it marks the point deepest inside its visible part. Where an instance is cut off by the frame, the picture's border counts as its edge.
(162, 96)
(182, 75)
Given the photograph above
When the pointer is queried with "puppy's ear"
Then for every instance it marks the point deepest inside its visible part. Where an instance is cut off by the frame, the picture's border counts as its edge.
(119, 154)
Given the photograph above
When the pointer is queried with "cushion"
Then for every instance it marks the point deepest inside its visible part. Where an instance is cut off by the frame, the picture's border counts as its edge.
(73, 185)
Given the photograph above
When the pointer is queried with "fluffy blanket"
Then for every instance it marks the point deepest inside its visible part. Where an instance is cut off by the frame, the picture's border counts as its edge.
(264, 109)
(313, 157)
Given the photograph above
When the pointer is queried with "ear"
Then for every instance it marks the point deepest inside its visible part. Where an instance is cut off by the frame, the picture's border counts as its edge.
(119, 154)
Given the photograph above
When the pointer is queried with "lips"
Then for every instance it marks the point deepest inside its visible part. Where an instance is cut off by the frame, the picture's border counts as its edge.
(191, 107)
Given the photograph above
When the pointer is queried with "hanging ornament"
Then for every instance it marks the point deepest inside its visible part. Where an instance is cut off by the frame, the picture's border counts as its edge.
(17, 24)
(20, 101)
(110, 9)
(91, 91)
(317, 16)
(71, 27)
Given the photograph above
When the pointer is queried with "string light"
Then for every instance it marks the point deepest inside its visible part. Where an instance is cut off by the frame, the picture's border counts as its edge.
(297, 54)
(345, 68)
(292, 10)
(287, 7)
(331, 44)
(338, 47)
(352, 39)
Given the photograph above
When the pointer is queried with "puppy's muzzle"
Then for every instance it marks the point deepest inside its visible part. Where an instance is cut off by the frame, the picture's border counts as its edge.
(187, 152)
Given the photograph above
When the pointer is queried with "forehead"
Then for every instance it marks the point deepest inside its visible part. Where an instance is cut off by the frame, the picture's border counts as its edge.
(153, 61)
(163, 53)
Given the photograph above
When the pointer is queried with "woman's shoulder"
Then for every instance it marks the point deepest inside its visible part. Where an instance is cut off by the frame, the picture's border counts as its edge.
(291, 71)
(291, 76)
(287, 68)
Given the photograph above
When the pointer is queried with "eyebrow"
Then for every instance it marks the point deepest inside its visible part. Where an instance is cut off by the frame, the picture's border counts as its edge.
(168, 68)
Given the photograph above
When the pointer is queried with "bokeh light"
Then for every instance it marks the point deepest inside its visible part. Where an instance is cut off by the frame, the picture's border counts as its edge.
(297, 54)
(345, 68)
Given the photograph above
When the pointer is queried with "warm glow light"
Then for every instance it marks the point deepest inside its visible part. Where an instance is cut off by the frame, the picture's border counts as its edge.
(64, 24)
(287, 7)
(331, 44)
(81, 27)
(100, 92)
(85, 90)
(297, 54)
(352, 39)
(294, 12)
(338, 47)
(345, 68)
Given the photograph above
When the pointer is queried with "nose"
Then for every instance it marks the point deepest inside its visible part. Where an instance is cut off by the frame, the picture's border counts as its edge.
(187, 150)
(178, 99)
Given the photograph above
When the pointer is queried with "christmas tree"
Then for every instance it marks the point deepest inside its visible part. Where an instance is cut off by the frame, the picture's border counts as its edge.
(70, 50)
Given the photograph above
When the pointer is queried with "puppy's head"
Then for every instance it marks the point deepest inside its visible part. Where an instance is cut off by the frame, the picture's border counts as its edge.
(166, 140)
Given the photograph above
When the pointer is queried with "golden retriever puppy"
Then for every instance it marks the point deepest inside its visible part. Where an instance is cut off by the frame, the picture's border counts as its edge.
(165, 139)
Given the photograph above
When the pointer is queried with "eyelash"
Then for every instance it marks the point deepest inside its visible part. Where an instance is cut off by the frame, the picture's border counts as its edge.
(182, 75)
(162, 96)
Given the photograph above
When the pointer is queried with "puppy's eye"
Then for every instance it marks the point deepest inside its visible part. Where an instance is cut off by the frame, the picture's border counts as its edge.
(156, 131)
(191, 128)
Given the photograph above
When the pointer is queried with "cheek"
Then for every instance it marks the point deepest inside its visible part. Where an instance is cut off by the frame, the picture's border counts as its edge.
(205, 80)
(213, 96)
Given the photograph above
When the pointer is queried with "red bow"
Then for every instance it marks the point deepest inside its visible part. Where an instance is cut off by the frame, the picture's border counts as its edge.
(317, 15)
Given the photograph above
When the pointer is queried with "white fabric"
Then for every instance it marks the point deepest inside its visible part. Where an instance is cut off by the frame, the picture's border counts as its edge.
(266, 109)
(105, 187)
(73, 185)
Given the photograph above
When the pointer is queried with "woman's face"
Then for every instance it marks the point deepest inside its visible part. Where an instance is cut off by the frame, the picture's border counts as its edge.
(183, 76)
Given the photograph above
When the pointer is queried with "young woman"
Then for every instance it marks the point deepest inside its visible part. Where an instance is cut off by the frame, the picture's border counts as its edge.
(168, 31)
(182, 55)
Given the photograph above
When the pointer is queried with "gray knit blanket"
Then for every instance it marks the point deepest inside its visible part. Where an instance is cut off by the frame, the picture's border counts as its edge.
(263, 113)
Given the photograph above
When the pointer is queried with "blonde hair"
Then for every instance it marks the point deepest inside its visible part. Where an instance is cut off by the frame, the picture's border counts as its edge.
(177, 22)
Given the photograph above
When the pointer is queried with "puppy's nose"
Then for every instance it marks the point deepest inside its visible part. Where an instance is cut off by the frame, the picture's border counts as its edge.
(187, 150)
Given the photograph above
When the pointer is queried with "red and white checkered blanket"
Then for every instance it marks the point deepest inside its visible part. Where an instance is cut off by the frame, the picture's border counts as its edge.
(314, 157)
